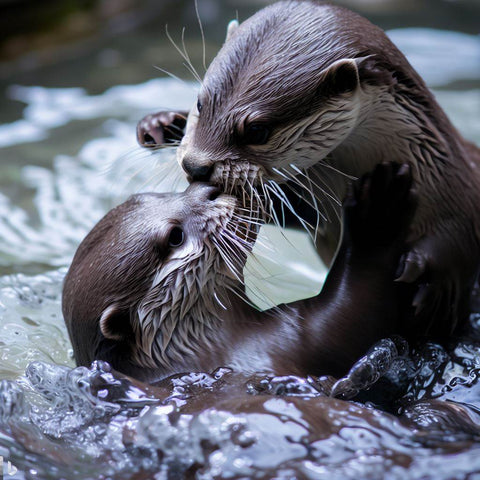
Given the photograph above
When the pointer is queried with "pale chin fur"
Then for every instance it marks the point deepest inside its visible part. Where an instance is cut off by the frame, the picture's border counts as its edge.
(180, 314)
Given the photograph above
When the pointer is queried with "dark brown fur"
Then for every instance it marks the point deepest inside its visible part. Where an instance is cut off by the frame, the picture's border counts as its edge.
(121, 306)
(296, 59)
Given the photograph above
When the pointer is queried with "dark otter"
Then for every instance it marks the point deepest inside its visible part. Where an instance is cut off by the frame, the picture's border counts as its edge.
(156, 287)
(313, 95)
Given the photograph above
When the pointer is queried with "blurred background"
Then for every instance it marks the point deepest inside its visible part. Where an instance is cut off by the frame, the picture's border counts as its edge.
(100, 43)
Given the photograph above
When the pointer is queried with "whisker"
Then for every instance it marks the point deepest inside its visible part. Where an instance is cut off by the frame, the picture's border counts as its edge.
(175, 77)
(227, 260)
(187, 58)
(336, 170)
(242, 296)
(313, 203)
(218, 300)
(202, 35)
(305, 174)
(276, 190)
(183, 54)
(331, 194)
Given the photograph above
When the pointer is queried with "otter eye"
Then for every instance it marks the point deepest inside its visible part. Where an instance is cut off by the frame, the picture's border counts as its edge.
(176, 237)
(256, 134)
(199, 106)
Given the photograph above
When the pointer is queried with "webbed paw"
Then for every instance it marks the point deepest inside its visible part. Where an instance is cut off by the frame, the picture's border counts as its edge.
(441, 299)
(380, 206)
(161, 128)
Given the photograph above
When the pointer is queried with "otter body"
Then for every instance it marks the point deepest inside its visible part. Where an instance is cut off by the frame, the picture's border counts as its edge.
(156, 288)
(313, 95)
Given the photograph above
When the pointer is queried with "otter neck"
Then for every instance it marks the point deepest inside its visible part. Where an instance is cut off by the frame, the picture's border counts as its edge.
(189, 324)
(391, 127)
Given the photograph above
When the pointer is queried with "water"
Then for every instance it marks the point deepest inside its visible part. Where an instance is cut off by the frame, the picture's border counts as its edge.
(60, 422)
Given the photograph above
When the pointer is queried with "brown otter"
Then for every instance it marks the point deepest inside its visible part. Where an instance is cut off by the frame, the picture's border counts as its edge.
(156, 287)
(313, 95)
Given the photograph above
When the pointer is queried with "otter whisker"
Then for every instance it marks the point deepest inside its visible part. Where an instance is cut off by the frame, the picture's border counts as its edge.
(202, 35)
(308, 227)
(322, 163)
(187, 58)
(183, 54)
(219, 243)
(274, 216)
(177, 177)
(309, 189)
(175, 77)
(316, 206)
(163, 179)
(128, 170)
(253, 221)
(333, 200)
(278, 192)
(330, 193)
(236, 242)
(313, 203)
(163, 146)
(215, 295)
(304, 173)
(260, 209)
(269, 212)
(241, 295)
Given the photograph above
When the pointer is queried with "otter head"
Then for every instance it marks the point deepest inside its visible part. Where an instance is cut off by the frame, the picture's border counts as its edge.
(289, 87)
(145, 287)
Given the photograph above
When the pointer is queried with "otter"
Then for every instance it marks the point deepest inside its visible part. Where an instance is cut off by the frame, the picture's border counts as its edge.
(156, 288)
(314, 95)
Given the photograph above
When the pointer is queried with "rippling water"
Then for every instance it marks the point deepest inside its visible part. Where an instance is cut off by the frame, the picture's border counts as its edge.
(60, 422)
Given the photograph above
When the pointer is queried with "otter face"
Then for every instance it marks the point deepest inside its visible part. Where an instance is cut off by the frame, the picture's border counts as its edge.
(274, 97)
(298, 102)
(150, 275)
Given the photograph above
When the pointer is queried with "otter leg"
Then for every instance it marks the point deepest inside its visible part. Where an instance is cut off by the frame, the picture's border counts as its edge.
(161, 128)
(360, 303)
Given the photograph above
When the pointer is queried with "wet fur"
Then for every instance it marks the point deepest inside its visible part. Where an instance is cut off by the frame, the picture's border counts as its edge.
(340, 98)
(151, 310)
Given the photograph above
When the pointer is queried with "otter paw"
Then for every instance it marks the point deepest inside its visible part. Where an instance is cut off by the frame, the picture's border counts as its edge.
(380, 206)
(438, 308)
(441, 297)
(161, 128)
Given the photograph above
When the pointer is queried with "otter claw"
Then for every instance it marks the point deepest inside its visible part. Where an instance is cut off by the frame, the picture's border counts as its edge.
(414, 267)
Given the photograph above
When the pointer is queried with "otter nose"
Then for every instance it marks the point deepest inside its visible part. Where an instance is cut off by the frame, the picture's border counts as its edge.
(196, 171)
(204, 191)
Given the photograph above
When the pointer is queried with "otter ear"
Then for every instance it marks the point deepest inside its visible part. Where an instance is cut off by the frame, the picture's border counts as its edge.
(231, 29)
(340, 77)
(115, 323)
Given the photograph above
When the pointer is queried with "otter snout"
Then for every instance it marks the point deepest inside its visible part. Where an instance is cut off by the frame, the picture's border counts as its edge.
(203, 191)
(197, 171)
